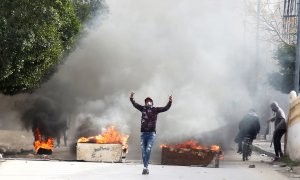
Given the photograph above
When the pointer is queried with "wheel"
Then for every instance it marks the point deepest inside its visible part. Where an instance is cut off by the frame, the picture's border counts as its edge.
(246, 149)
(249, 149)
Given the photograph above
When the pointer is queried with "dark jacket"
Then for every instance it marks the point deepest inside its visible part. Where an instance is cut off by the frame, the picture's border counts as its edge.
(249, 125)
(149, 115)
(279, 117)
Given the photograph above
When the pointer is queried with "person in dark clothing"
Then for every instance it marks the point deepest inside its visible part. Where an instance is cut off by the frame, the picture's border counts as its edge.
(65, 126)
(280, 129)
(148, 126)
(59, 136)
(248, 127)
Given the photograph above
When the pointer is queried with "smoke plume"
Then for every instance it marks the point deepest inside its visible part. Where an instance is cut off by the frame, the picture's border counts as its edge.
(199, 51)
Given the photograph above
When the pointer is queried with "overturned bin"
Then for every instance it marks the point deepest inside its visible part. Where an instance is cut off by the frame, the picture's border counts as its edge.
(190, 154)
(99, 152)
(187, 157)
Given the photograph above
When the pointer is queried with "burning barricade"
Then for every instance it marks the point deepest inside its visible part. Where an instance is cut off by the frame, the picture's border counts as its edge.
(42, 145)
(110, 146)
(190, 153)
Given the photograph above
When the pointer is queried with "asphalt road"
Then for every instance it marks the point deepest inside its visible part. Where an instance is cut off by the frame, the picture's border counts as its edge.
(231, 168)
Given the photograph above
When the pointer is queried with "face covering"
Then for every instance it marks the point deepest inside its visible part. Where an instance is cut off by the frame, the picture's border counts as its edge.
(149, 104)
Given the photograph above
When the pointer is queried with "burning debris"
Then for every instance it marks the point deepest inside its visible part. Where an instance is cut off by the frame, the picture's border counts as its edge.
(190, 153)
(110, 146)
(110, 136)
(42, 145)
(46, 120)
(191, 144)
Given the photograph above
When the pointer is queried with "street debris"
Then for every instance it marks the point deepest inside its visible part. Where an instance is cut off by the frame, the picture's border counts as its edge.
(263, 155)
(251, 166)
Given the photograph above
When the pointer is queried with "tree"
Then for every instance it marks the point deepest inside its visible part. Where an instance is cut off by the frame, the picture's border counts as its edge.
(35, 36)
(273, 23)
(278, 21)
(285, 57)
(86, 10)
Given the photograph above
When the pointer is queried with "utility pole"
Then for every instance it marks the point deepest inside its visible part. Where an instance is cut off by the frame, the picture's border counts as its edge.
(257, 29)
(296, 79)
(257, 53)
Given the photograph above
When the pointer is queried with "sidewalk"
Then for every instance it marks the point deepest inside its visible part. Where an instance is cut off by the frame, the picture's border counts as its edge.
(263, 147)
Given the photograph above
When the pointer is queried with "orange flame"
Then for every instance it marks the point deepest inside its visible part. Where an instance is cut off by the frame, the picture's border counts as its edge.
(110, 136)
(218, 150)
(214, 148)
(46, 143)
(191, 144)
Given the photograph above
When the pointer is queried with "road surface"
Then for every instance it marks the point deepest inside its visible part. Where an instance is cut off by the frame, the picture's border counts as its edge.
(230, 169)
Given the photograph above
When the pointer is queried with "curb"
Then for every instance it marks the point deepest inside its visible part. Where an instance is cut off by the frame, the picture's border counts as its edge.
(262, 151)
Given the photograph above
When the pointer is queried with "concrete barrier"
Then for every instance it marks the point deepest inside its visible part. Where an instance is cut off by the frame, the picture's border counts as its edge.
(293, 130)
(99, 152)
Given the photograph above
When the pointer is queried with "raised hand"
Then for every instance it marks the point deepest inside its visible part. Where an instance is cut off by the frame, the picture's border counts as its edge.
(132, 94)
(170, 98)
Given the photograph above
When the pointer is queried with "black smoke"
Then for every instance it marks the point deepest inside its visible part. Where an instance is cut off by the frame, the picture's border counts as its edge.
(43, 113)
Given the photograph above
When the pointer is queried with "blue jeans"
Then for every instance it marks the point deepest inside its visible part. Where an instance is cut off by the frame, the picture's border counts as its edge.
(147, 140)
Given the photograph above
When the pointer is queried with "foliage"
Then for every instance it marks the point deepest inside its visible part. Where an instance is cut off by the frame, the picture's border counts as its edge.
(285, 57)
(286, 159)
(35, 36)
(85, 11)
